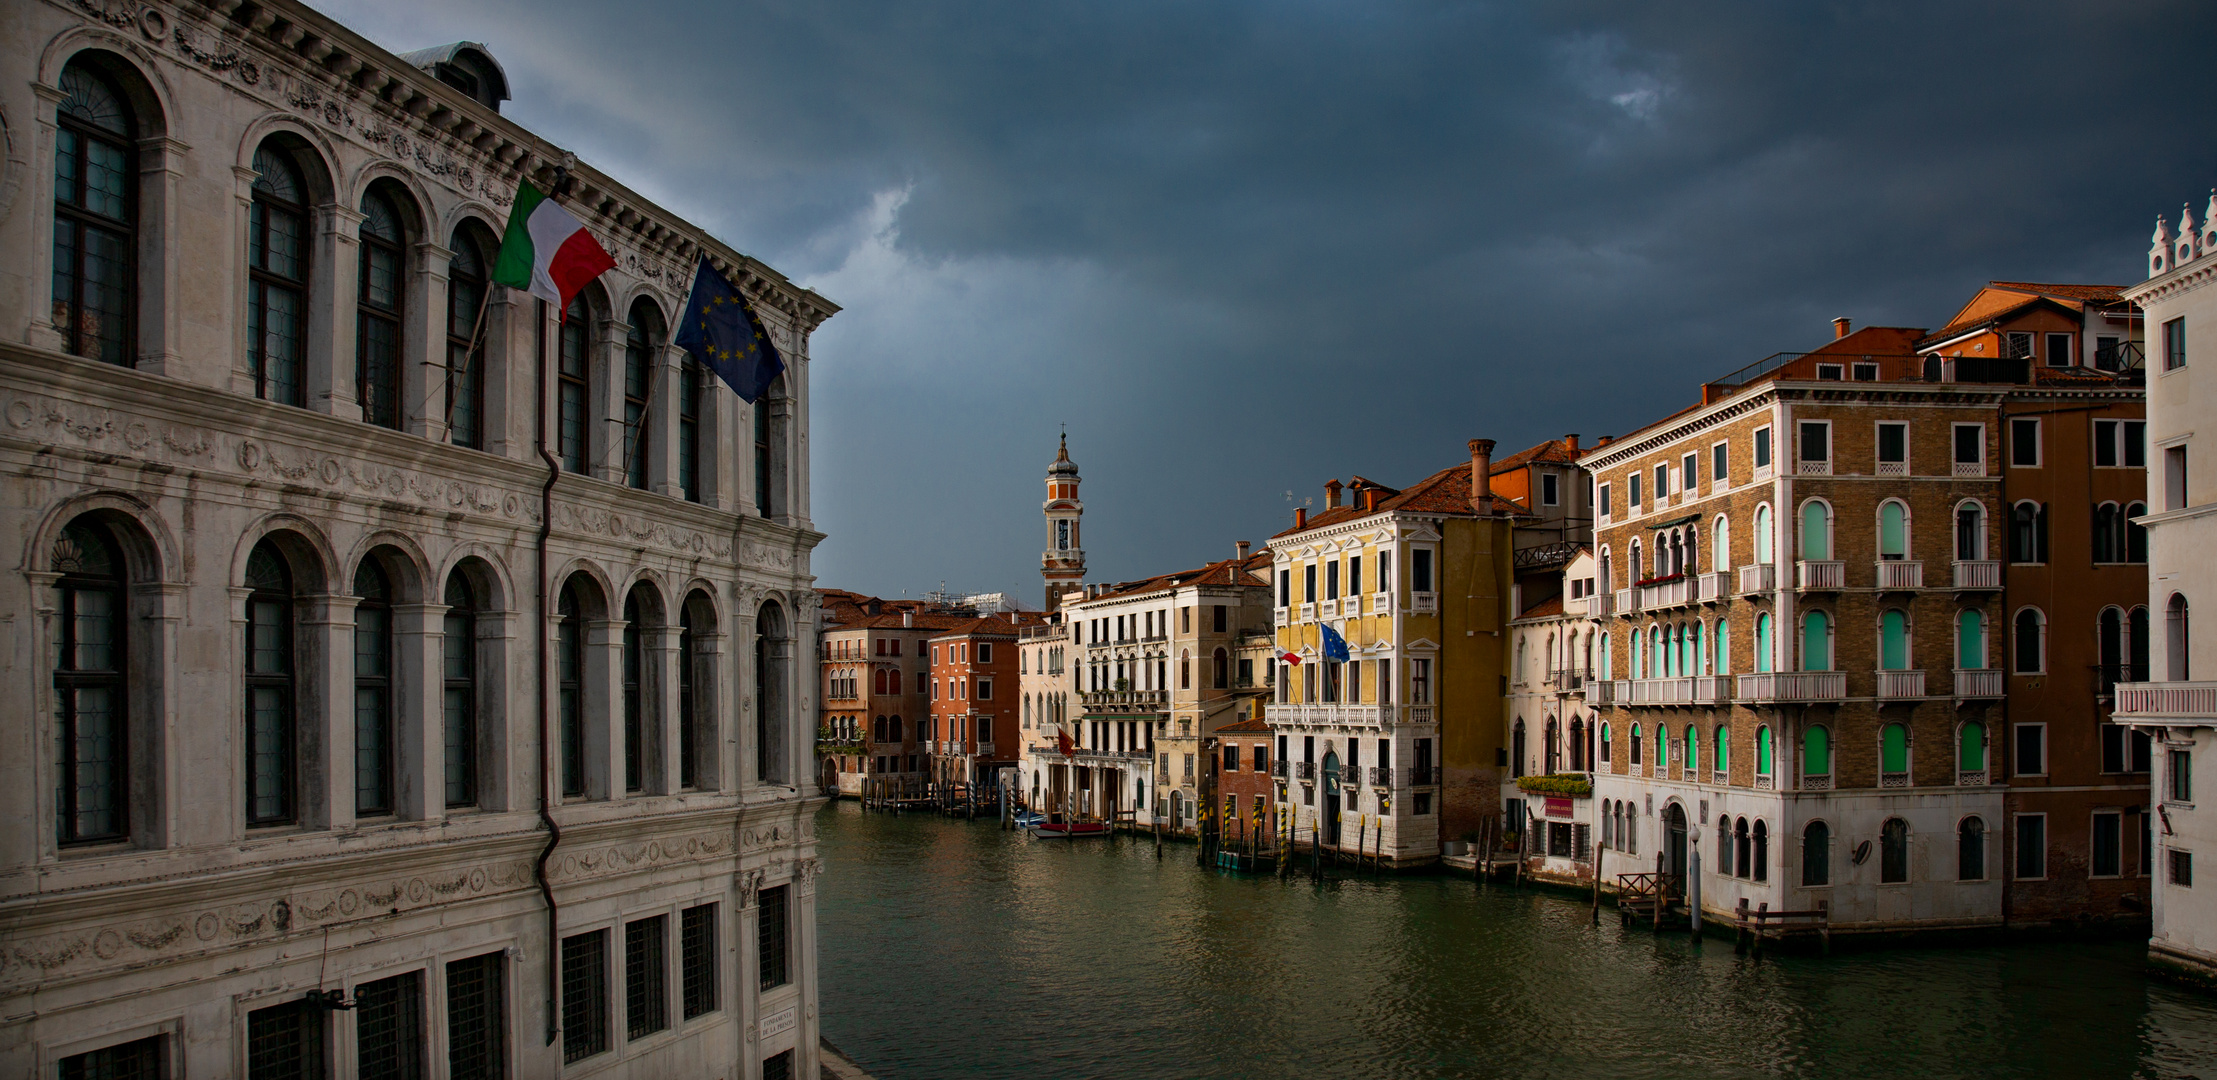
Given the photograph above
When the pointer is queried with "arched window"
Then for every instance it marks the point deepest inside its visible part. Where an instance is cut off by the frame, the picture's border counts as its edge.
(1693, 751)
(1816, 854)
(642, 344)
(1970, 532)
(1763, 751)
(692, 395)
(2028, 532)
(271, 745)
(1893, 752)
(1722, 751)
(95, 217)
(1220, 670)
(2175, 643)
(377, 364)
(1893, 857)
(458, 703)
(2109, 533)
(1605, 752)
(2031, 642)
(1970, 748)
(1720, 543)
(2136, 534)
(1185, 670)
(1763, 533)
(569, 663)
(1970, 850)
(1721, 645)
(277, 259)
(1516, 751)
(2109, 638)
(1635, 744)
(573, 385)
(1697, 658)
(1743, 854)
(466, 297)
(1970, 639)
(772, 654)
(1577, 745)
(1816, 531)
(1552, 752)
(91, 686)
(1816, 641)
(1662, 748)
(764, 468)
(1724, 845)
(1638, 657)
(695, 684)
(2136, 643)
(1608, 659)
(1762, 842)
(1893, 530)
(1763, 642)
(1816, 752)
(1893, 640)
(375, 741)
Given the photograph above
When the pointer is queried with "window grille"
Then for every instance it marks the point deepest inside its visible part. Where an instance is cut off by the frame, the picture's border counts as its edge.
(140, 1059)
(770, 937)
(697, 929)
(646, 990)
(285, 1042)
(388, 1028)
(476, 1043)
(778, 1067)
(584, 995)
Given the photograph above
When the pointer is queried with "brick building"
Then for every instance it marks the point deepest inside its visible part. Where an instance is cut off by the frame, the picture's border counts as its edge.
(874, 655)
(972, 734)
(1246, 788)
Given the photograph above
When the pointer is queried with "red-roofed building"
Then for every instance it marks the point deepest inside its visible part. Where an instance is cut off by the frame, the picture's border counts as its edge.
(972, 733)
(875, 699)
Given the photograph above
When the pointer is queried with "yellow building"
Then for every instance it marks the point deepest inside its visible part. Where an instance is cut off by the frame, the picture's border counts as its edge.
(1399, 745)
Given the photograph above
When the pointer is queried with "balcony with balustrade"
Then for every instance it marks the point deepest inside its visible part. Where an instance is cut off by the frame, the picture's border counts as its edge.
(1125, 700)
(1712, 689)
(2167, 704)
(1898, 575)
(1820, 575)
(1978, 574)
(1711, 588)
(1601, 605)
(1665, 592)
(1602, 692)
(1626, 603)
(1900, 685)
(1424, 603)
(1786, 687)
(1568, 680)
(1670, 691)
(1333, 715)
(1758, 579)
(1979, 683)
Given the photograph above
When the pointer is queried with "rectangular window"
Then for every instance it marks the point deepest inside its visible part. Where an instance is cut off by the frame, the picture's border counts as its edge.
(985, 689)
(1231, 757)
(2105, 353)
(285, 1042)
(1420, 682)
(1219, 616)
(137, 1060)
(778, 1066)
(1762, 448)
(1331, 580)
(646, 989)
(476, 1018)
(1831, 372)
(1970, 445)
(1893, 446)
(1285, 588)
(2174, 344)
(1262, 758)
(2024, 443)
(2174, 478)
(584, 995)
(2032, 749)
(770, 937)
(2108, 446)
(2016, 346)
(985, 652)
(1866, 372)
(2109, 845)
(1816, 441)
(1662, 483)
(1689, 473)
(2059, 350)
(1720, 463)
(1601, 501)
(2182, 869)
(1308, 584)
(1550, 493)
(388, 1028)
(1420, 570)
(2032, 846)
(2181, 779)
(2135, 438)
(1632, 490)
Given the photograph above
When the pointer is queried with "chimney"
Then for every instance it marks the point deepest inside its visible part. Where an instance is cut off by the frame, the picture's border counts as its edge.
(1300, 517)
(1242, 546)
(1331, 494)
(1839, 329)
(908, 618)
(1570, 442)
(1481, 475)
(1370, 500)
(1603, 441)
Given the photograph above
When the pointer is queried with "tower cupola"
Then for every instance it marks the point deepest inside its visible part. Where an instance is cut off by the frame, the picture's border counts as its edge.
(1062, 565)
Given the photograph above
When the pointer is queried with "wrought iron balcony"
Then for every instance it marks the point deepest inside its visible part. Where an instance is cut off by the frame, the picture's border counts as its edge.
(1304, 770)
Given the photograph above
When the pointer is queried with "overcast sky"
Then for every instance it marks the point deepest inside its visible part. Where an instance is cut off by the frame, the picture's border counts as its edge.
(1243, 248)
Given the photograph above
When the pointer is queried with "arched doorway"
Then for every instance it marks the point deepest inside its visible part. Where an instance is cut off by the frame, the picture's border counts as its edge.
(1331, 798)
(1674, 844)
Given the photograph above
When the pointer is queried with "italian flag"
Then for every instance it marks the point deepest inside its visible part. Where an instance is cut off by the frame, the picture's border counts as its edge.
(547, 250)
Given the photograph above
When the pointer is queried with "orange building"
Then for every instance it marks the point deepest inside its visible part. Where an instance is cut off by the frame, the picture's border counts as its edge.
(1245, 785)
(971, 733)
(875, 689)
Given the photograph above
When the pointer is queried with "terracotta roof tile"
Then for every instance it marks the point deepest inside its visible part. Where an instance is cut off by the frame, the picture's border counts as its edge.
(1553, 605)
(1444, 492)
(1253, 725)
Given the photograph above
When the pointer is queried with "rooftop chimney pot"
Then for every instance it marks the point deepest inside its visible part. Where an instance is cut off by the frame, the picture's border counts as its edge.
(1481, 475)
(1839, 329)
(1570, 441)
(1300, 517)
(1242, 546)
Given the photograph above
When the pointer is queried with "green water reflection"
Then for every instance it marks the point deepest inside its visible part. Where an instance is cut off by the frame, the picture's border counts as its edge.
(954, 949)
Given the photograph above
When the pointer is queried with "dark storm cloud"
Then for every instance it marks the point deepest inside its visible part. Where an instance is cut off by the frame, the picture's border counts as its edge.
(1241, 248)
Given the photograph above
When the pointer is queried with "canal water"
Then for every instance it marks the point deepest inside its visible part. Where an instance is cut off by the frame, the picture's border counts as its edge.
(953, 949)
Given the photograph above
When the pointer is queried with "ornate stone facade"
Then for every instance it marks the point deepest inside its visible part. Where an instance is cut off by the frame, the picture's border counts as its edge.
(344, 730)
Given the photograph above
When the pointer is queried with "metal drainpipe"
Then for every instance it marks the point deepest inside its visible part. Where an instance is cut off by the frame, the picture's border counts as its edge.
(546, 710)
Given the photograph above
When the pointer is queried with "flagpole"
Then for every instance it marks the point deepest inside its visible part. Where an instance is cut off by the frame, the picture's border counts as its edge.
(638, 445)
(477, 326)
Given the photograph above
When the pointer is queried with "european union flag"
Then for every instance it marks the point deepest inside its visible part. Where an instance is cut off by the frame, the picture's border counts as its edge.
(721, 331)
(1335, 646)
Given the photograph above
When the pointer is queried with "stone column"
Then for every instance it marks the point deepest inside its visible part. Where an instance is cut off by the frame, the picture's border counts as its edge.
(713, 696)
(740, 742)
(38, 263)
(662, 441)
(332, 294)
(603, 742)
(418, 710)
(323, 710)
(160, 308)
(604, 409)
(806, 1043)
(659, 686)
(156, 763)
(507, 717)
(423, 392)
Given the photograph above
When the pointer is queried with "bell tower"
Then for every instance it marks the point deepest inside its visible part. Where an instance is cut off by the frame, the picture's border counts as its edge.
(1063, 563)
